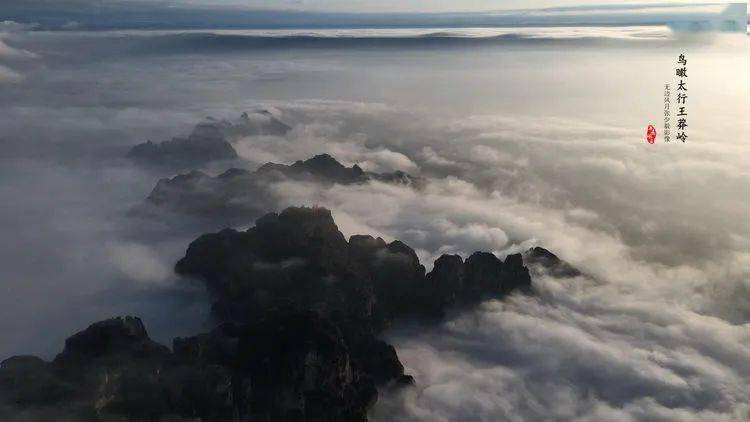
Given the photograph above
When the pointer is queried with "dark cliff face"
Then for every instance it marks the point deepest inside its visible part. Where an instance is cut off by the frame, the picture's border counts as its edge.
(290, 368)
(111, 368)
(300, 311)
(447, 283)
(117, 338)
(299, 261)
(294, 261)
(483, 275)
(295, 367)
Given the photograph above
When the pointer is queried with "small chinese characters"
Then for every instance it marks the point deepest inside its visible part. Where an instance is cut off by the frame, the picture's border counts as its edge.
(667, 115)
(682, 98)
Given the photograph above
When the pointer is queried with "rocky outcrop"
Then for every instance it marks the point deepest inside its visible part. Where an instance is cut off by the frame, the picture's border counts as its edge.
(234, 197)
(28, 381)
(205, 143)
(209, 141)
(325, 168)
(322, 167)
(298, 260)
(293, 261)
(550, 263)
(294, 367)
(238, 196)
(258, 123)
(289, 368)
(111, 340)
(483, 275)
(300, 310)
(447, 283)
(110, 368)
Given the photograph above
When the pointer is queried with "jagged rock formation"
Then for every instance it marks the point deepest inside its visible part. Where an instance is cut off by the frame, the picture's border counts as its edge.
(299, 260)
(112, 369)
(234, 197)
(293, 367)
(258, 123)
(550, 263)
(325, 168)
(209, 141)
(300, 310)
(237, 196)
(290, 368)
(204, 144)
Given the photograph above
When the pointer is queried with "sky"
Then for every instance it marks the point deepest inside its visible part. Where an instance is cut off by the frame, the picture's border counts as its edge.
(119, 14)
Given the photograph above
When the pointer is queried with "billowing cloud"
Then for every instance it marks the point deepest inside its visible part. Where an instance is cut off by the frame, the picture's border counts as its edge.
(578, 352)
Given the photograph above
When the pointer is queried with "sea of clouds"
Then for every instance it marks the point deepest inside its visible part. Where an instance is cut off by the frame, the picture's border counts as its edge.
(521, 146)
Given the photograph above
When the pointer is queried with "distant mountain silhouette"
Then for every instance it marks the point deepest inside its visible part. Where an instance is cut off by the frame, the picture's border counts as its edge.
(238, 196)
(209, 141)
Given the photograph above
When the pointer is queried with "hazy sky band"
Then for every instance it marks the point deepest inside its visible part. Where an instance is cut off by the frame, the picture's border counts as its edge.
(87, 14)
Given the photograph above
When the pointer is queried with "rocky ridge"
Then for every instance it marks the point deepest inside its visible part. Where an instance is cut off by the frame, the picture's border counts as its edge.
(209, 141)
(237, 194)
(300, 310)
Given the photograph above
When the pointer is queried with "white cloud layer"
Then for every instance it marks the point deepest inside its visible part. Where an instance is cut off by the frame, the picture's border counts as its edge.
(577, 352)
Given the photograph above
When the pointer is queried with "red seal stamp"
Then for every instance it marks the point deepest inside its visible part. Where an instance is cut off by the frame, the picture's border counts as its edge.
(651, 134)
